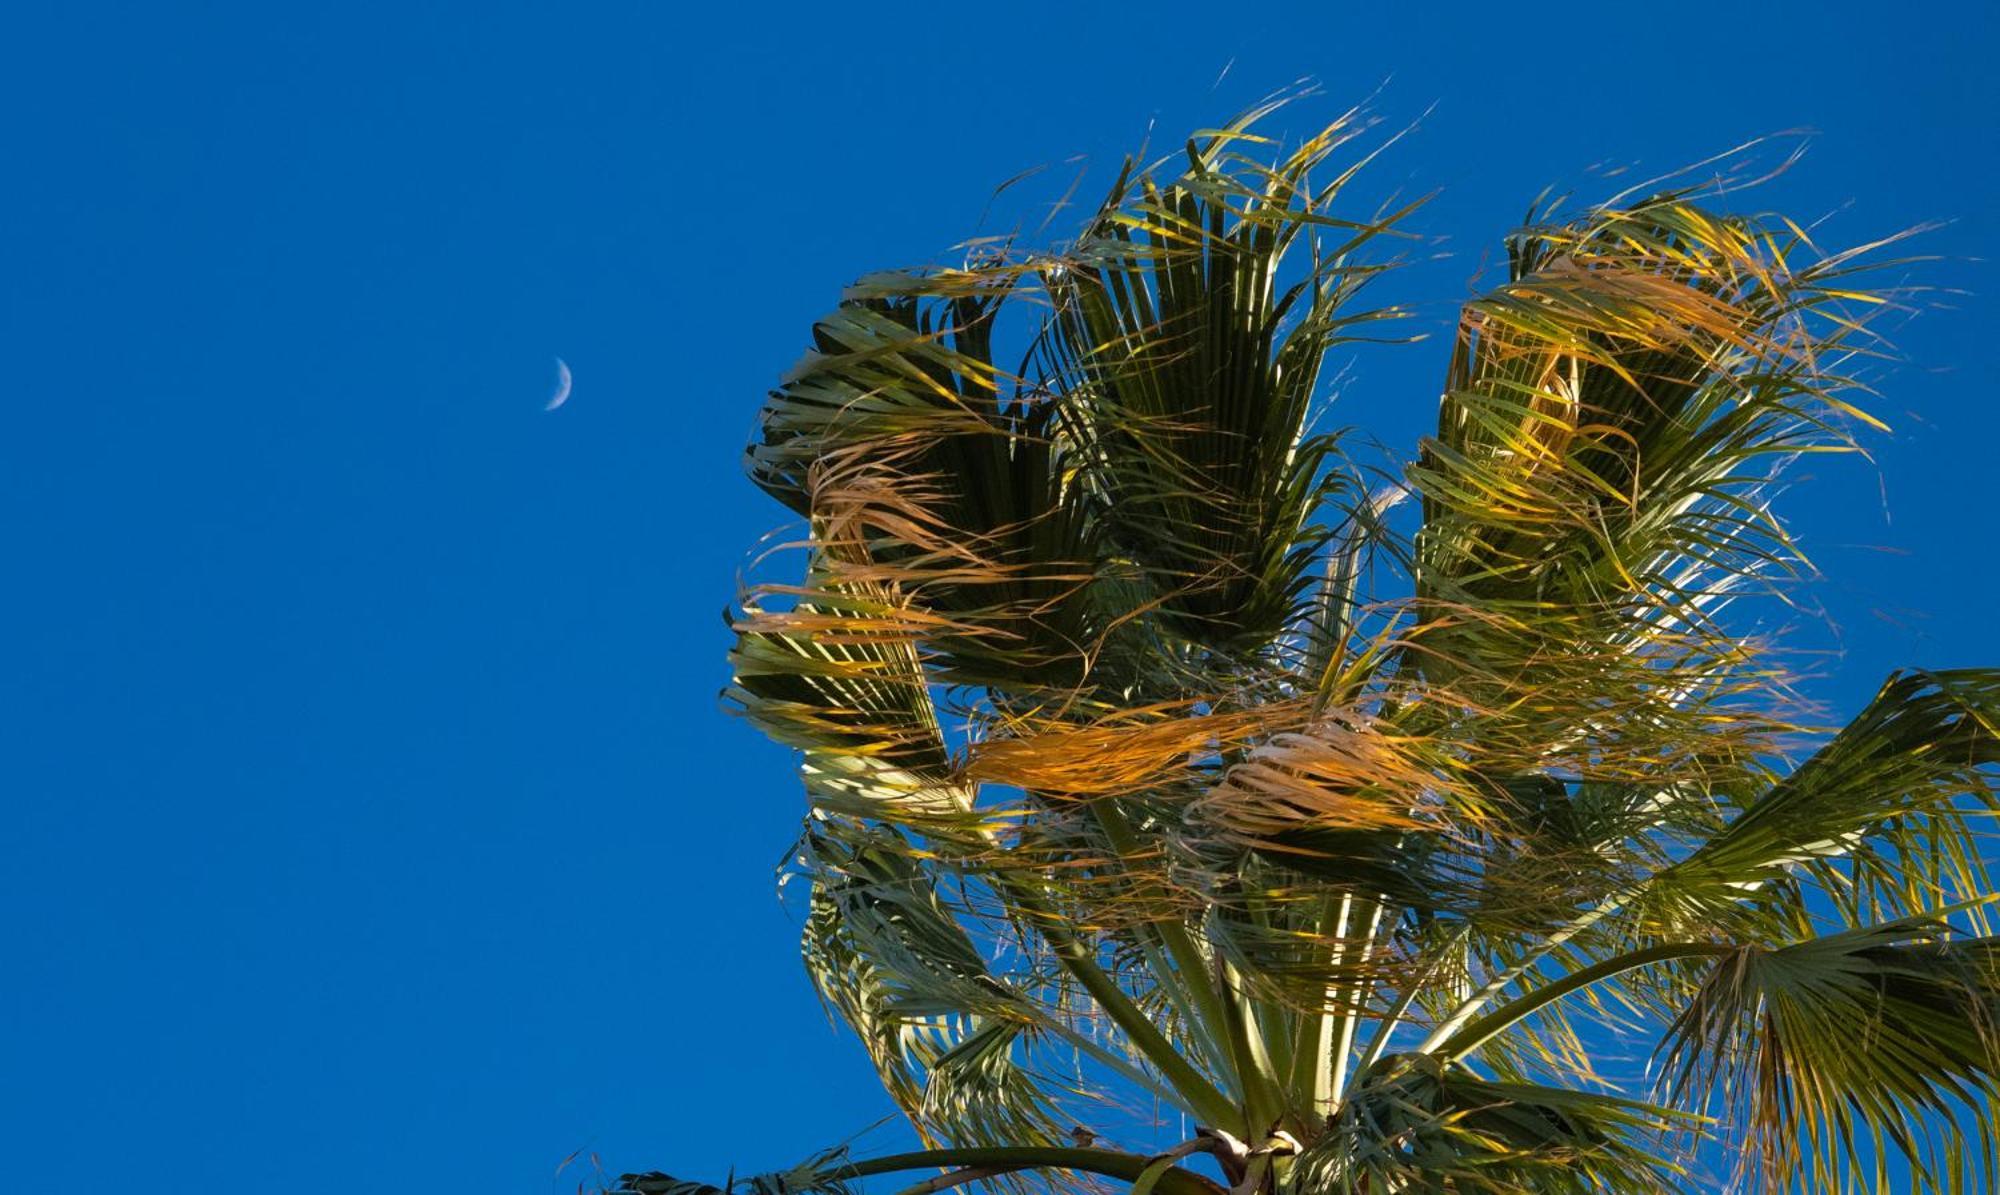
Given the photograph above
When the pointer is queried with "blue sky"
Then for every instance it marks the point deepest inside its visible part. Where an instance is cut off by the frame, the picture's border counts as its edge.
(371, 821)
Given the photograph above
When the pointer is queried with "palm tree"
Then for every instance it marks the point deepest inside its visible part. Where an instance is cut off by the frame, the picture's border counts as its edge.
(1423, 831)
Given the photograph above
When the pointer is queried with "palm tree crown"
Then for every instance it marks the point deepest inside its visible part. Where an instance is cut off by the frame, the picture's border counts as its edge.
(1411, 831)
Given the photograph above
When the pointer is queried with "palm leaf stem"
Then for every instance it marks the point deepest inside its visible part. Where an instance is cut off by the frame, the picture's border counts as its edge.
(1188, 975)
(1349, 1018)
(1312, 1062)
(1479, 1032)
(1263, 1095)
(1470, 1006)
(1151, 1084)
(1378, 1043)
(1203, 1098)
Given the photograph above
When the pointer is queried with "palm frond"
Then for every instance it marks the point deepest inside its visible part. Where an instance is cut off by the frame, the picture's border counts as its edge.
(1414, 1123)
(1189, 360)
(1599, 486)
(1841, 1052)
(946, 1034)
(1879, 817)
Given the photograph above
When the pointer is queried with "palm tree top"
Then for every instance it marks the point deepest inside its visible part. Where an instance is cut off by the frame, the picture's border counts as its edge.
(1434, 827)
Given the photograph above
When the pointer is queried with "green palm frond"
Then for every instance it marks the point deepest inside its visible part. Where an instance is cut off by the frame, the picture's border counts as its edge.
(1414, 1123)
(1599, 486)
(946, 1034)
(1881, 817)
(1189, 361)
(835, 674)
(1844, 1051)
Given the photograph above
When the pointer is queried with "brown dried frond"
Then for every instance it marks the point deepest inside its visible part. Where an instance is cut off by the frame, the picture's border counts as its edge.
(1341, 772)
(1125, 752)
(876, 522)
(869, 490)
(856, 622)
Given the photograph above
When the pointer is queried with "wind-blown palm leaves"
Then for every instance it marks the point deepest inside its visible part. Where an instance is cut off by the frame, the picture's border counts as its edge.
(1152, 762)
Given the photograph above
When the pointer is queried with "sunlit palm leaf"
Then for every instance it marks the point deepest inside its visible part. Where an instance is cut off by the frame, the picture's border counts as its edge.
(1878, 815)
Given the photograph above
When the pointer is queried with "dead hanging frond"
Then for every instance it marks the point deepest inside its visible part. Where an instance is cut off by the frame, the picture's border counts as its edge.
(850, 616)
(1121, 753)
(1343, 771)
(879, 523)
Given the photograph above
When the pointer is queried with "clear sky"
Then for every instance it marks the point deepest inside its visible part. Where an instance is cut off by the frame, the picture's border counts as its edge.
(370, 821)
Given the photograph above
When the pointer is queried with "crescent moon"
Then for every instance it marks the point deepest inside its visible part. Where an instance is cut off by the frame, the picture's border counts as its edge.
(561, 395)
